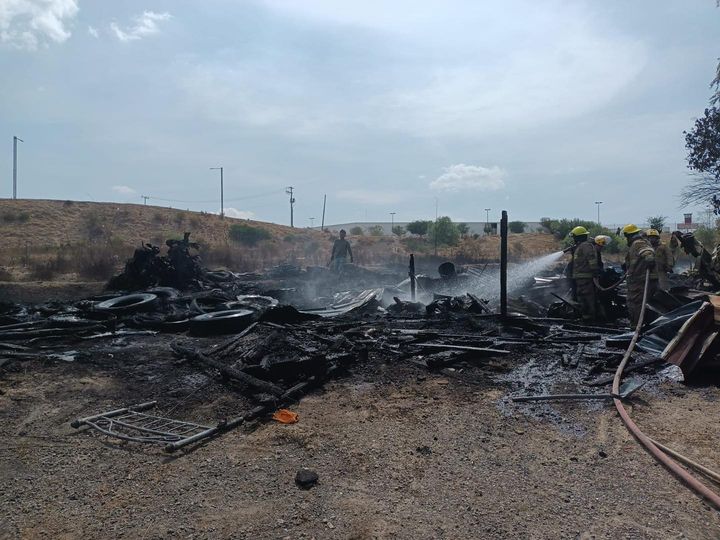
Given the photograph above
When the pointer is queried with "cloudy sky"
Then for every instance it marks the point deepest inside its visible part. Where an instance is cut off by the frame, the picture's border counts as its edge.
(538, 107)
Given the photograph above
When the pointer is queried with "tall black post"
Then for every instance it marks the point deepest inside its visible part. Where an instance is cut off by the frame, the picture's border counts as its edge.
(411, 273)
(503, 263)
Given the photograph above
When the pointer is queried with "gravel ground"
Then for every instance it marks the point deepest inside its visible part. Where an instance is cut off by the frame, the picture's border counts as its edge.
(400, 452)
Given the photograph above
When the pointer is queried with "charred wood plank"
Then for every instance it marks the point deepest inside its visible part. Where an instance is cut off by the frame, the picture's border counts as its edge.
(249, 380)
(446, 346)
(607, 380)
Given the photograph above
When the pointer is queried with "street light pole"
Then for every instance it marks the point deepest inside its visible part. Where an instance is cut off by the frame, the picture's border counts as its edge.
(312, 222)
(392, 222)
(15, 141)
(598, 203)
(222, 195)
(487, 220)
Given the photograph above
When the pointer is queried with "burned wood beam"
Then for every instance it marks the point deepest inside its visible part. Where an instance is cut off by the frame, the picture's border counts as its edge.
(249, 380)
(232, 342)
(446, 346)
(602, 381)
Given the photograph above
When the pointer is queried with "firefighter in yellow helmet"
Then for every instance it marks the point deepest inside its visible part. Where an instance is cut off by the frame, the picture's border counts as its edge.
(664, 259)
(639, 259)
(584, 271)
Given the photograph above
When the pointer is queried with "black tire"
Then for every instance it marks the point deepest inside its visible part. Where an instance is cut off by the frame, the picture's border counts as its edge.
(221, 322)
(219, 275)
(130, 303)
(164, 293)
(254, 302)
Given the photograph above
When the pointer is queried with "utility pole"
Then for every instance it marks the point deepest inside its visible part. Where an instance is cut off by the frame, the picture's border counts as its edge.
(435, 232)
(322, 225)
(312, 222)
(144, 198)
(598, 203)
(222, 195)
(15, 141)
(289, 191)
(392, 223)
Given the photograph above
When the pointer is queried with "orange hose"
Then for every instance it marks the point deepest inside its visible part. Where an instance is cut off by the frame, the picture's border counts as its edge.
(692, 482)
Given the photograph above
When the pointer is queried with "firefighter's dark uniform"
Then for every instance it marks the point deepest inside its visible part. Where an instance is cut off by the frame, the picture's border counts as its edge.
(640, 258)
(584, 270)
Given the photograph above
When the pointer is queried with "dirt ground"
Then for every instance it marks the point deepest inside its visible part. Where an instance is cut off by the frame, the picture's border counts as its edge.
(401, 453)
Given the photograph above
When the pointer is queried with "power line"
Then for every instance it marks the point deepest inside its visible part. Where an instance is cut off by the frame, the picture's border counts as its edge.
(256, 196)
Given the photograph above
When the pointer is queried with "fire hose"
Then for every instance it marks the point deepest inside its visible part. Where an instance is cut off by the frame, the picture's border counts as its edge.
(611, 287)
(658, 452)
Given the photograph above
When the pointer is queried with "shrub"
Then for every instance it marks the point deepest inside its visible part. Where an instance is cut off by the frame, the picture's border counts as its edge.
(94, 225)
(445, 231)
(517, 226)
(463, 229)
(561, 228)
(376, 230)
(179, 218)
(48, 269)
(20, 217)
(248, 235)
(357, 231)
(657, 222)
(707, 237)
(418, 227)
(158, 217)
(398, 230)
(96, 265)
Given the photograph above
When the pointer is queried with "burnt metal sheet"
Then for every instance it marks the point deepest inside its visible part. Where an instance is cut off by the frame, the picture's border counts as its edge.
(348, 301)
(696, 343)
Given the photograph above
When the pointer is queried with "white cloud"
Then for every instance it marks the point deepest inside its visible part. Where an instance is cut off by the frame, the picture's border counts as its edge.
(263, 94)
(93, 32)
(238, 214)
(27, 24)
(124, 190)
(498, 72)
(461, 177)
(145, 25)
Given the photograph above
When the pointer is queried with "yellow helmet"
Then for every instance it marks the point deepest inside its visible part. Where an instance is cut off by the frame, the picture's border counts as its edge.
(630, 229)
(652, 232)
(602, 239)
(578, 231)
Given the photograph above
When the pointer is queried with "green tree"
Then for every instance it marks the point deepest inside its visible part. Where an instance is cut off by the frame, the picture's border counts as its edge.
(357, 231)
(398, 230)
(703, 145)
(445, 231)
(376, 230)
(463, 229)
(247, 235)
(707, 237)
(560, 228)
(517, 226)
(418, 227)
(657, 222)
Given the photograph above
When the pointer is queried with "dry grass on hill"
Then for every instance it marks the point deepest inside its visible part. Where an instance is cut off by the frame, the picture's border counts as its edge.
(86, 241)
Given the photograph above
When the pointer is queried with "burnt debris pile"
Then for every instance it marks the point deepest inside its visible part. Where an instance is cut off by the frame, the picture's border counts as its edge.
(179, 268)
(271, 337)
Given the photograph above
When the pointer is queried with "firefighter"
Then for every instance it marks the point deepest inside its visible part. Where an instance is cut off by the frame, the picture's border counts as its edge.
(639, 259)
(664, 259)
(584, 271)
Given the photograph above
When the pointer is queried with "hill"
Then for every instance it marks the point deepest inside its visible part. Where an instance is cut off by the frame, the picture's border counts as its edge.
(46, 240)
